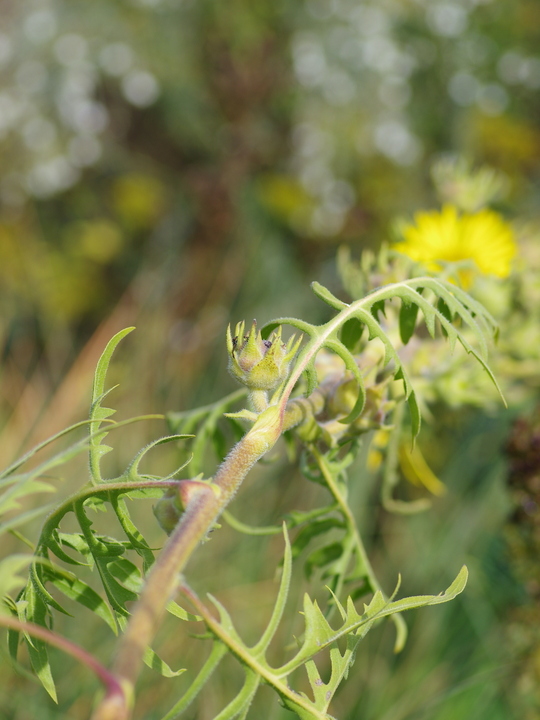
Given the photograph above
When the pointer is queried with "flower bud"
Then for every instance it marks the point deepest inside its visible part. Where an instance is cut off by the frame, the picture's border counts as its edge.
(169, 509)
(259, 364)
(340, 389)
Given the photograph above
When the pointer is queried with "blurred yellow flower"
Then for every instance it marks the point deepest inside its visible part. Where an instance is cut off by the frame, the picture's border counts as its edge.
(483, 237)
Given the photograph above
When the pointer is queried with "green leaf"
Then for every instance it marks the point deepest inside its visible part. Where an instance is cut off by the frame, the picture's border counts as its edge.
(311, 377)
(250, 529)
(25, 517)
(414, 412)
(175, 609)
(75, 541)
(302, 325)
(38, 586)
(127, 574)
(325, 295)
(220, 444)
(443, 308)
(20, 461)
(132, 472)
(314, 529)
(323, 556)
(74, 589)
(351, 365)
(351, 332)
(204, 424)
(117, 594)
(407, 320)
(456, 587)
(105, 551)
(219, 650)
(261, 647)
(29, 482)
(97, 412)
(377, 308)
(152, 660)
(240, 704)
(367, 311)
(103, 363)
(319, 634)
(53, 545)
(137, 541)
(36, 611)
(10, 579)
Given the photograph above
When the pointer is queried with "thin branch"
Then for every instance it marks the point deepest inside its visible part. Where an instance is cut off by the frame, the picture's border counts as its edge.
(352, 530)
(114, 689)
(259, 666)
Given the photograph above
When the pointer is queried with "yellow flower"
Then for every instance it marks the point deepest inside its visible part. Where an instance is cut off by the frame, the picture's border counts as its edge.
(483, 237)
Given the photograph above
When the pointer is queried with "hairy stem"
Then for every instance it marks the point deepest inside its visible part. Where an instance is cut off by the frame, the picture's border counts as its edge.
(200, 515)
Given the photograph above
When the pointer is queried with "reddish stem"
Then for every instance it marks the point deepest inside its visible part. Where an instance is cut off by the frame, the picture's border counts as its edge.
(113, 687)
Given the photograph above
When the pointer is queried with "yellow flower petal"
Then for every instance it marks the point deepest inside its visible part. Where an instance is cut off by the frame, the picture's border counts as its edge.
(483, 237)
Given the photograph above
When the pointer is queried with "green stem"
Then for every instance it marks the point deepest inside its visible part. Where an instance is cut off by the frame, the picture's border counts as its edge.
(219, 650)
(69, 504)
(257, 664)
(352, 529)
(349, 518)
(244, 698)
(241, 527)
(258, 400)
(349, 548)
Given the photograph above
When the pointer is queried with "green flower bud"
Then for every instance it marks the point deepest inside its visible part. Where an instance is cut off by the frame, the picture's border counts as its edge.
(259, 364)
(169, 509)
(340, 389)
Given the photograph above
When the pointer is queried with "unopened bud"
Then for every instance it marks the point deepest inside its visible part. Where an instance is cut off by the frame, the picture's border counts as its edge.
(170, 507)
(259, 364)
(168, 510)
